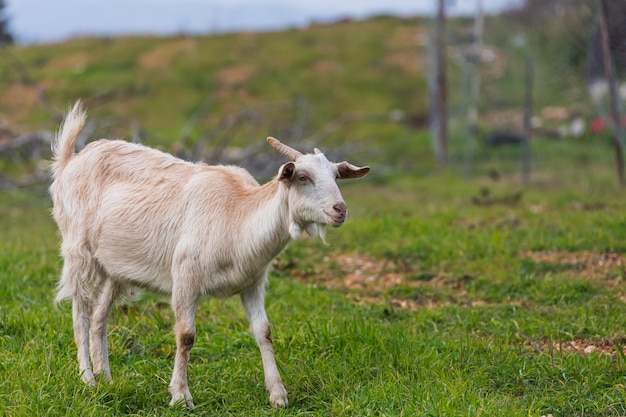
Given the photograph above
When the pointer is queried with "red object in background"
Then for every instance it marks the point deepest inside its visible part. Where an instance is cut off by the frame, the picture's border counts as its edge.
(596, 125)
(600, 124)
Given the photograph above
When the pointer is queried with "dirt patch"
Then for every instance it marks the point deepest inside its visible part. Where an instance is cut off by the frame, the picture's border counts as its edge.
(19, 95)
(373, 281)
(72, 62)
(18, 101)
(583, 264)
(408, 37)
(607, 347)
(409, 62)
(230, 92)
(162, 55)
(326, 66)
(404, 50)
(233, 100)
(429, 303)
(236, 75)
(358, 272)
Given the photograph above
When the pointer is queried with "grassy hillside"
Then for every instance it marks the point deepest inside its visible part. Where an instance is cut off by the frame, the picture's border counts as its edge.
(339, 83)
(369, 66)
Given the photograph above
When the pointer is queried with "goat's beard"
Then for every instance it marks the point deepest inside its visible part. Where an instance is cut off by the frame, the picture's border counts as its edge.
(317, 229)
(312, 229)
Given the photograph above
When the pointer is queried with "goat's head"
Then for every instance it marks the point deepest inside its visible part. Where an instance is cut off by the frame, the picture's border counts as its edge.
(314, 197)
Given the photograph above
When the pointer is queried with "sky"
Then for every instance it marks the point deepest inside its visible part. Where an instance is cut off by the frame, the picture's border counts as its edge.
(43, 21)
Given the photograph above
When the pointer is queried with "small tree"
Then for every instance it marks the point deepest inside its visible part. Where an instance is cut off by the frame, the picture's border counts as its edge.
(5, 34)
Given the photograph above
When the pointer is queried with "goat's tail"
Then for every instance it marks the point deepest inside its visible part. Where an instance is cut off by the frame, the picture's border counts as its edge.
(63, 143)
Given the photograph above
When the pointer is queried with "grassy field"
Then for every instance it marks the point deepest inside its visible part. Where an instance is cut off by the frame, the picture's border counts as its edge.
(449, 292)
(440, 296)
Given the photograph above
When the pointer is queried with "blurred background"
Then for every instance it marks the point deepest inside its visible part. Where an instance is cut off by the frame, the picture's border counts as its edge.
(521, 91)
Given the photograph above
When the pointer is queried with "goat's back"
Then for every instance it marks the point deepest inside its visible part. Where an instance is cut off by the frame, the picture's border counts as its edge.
(132, 206)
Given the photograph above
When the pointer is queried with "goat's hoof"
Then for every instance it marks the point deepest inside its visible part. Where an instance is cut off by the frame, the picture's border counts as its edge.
(88, 378)
(182, 400)
(278, 397)
(103, 376)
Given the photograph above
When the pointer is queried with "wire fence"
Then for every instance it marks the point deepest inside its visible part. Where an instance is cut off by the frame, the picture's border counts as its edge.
(537, 72)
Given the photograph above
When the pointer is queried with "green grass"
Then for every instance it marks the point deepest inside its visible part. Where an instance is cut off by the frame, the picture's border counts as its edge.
(451, 314)
(467, 347)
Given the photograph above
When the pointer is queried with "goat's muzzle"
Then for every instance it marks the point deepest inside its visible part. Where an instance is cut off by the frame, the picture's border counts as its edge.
(338, 214)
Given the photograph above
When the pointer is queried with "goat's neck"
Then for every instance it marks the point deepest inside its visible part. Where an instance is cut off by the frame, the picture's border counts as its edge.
(287, 225)
(269, 222)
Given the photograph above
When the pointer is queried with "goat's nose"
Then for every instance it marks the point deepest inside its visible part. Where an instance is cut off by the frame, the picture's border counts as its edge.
(341, 208)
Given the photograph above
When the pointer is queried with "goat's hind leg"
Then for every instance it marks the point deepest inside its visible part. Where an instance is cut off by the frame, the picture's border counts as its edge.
(98, 330)
(77, 269)
(80, 317)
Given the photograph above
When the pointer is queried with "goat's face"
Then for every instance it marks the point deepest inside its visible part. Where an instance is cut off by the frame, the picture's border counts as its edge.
(314, 197)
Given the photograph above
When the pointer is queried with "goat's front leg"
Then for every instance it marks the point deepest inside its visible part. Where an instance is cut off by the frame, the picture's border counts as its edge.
(184, 305)
(252, 300)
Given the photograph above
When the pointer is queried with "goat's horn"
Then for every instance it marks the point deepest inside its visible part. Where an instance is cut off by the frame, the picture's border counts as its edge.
(284, 149)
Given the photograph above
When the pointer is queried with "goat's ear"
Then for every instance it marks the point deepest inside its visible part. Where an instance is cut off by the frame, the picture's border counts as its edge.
(287, 172)
(346, 170)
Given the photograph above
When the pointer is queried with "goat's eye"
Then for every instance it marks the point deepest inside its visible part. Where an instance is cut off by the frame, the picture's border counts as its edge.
(303, 178)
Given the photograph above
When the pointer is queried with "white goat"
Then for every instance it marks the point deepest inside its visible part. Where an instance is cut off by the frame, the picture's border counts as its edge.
(131, 216)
